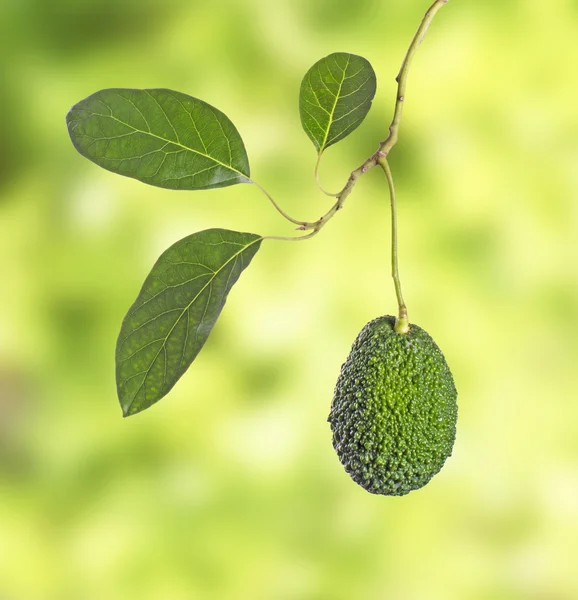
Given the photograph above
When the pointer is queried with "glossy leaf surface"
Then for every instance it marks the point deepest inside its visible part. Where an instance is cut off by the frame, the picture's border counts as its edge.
(160, 137)
(175, 312)
(336, 95)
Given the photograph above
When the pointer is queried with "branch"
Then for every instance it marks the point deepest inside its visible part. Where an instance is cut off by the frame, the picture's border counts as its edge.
(401, 79)
(385, 146)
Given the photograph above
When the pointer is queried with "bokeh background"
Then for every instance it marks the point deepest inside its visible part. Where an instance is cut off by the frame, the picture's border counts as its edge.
(229, 488)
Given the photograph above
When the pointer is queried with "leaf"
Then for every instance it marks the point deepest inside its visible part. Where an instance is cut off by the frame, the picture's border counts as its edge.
(336, 95)
(160, 137)
(175, 312)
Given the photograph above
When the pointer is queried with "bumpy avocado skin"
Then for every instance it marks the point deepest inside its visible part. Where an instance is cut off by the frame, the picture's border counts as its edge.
(394, 410)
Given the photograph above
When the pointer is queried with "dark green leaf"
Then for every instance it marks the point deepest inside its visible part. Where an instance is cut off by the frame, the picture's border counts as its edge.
(175, 311)
(160, 137)
(336, 95)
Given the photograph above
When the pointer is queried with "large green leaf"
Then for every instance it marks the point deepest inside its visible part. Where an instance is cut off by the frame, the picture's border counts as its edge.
(160, 137)
(175, 311)
(336, 95)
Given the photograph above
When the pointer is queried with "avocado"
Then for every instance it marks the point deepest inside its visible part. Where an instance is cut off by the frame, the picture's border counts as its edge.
(394, 410)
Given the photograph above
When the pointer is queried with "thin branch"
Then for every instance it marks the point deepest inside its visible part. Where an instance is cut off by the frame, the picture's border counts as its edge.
(384, 147)
(401, 79)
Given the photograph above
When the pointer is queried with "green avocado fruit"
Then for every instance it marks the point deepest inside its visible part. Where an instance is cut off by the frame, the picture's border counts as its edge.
(394, 410)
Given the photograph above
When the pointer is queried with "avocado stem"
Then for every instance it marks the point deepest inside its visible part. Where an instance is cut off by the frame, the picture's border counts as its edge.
(402, 322)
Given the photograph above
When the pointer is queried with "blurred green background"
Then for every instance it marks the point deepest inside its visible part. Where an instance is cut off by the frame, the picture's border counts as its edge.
(229, 488)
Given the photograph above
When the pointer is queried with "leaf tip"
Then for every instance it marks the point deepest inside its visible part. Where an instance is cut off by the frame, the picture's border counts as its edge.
(126, 412)
(129, 409)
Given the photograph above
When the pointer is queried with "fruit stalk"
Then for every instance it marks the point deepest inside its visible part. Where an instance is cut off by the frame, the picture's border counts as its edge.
(402, 321)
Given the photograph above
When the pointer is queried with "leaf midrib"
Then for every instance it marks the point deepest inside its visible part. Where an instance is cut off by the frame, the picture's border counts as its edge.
(230, 167)
(335, 105)
(166, 338)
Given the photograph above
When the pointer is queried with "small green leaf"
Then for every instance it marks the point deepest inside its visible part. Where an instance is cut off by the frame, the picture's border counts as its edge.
(336, 95)
(175, 312)
(160, 137)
